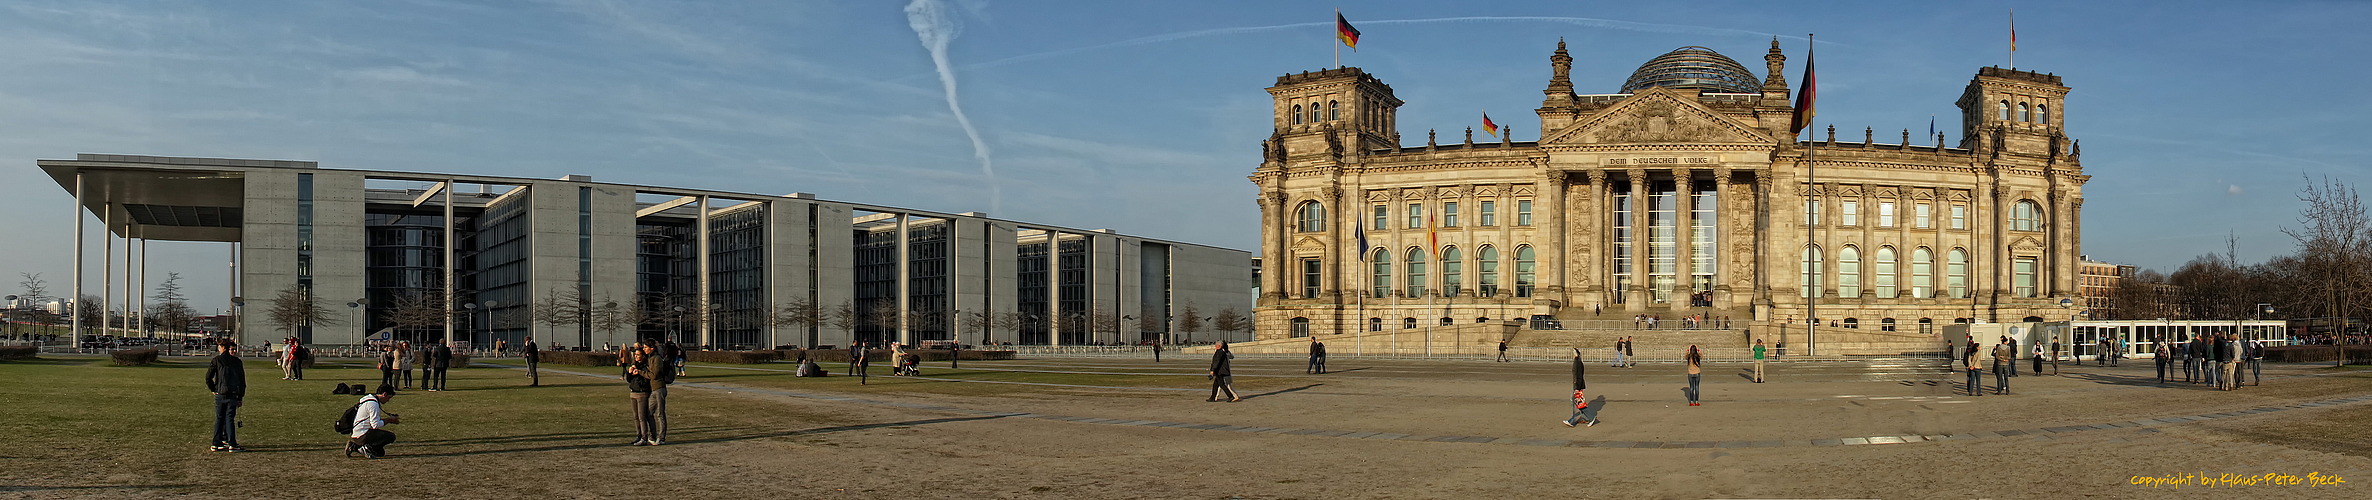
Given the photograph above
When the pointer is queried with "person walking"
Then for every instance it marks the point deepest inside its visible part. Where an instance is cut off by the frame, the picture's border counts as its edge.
(2036, 352)
(2161, 355)
(2055, 350)
(226, 377)
(1630, 342)
(1157, 351)
(1581, 402)
(1696, 372)
(2004, 358)
(532, 355)
(1968, 360)
(2226, 356)
(666, 367)
(370, 435)
(1502, 351)
(1758, 361)
(387, 365)
(860, 364)
(1618, 351)
(856, 355)
(2190, 355)
(2256, 361)
(287, 361)
(404, 359)
(2116, 351)
(1222, 373)
(637, 358)
(1317, 356)
(2012, 343)
(440, 358)
(955, 354)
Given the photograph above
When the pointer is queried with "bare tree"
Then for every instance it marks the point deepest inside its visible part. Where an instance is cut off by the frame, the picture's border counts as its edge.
(800, 313)
(296, 307)
(1150, 325)
(610, 315)
(36, 291)
(845, 317)
(1105, 323)
(1013, 321)
(87, 308)
(419, 310)
(979, 321)
(2333, 235)
(1189, 321)
(563, 307)
(1231, 322)
(884, 317)
(169, 309)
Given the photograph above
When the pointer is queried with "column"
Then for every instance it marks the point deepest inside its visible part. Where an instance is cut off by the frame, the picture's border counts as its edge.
(74, 330)
(106, 266)
(905, 314)
(1595, 236)
(1683, 234)
(1053, 288)
(450, 255)
(1553, 249)
(1725, 209)
(1636, 298)
(707, 305)
(1272, 243)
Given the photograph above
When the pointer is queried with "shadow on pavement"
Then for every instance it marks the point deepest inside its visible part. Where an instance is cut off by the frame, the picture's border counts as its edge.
(1281, 391)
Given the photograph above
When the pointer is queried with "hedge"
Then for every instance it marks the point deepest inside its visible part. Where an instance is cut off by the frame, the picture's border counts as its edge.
(2356, 354)
(733, 357)
(878, 355)
(18, 352)
(135, 357)
(578, 358)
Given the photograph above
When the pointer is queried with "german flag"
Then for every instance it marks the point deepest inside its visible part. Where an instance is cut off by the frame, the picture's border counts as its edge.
(1488, 127)
(1805, 98)
(1343, 31)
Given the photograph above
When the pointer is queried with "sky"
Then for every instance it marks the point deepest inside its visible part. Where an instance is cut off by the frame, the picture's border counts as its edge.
(2199, 120)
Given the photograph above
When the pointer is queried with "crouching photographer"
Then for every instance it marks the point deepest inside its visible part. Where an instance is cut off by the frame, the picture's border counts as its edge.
(367, 422)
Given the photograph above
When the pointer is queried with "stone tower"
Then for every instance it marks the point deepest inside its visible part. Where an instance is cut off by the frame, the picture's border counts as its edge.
(2013, 111)
(1341, 110)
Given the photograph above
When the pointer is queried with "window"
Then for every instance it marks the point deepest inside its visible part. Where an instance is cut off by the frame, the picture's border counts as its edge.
(2042, 114)
(1313, 217)
(1449, 214)
(1453, 272)
(1313, 116)
(1959, 216)
(1416, 215)
(1487, 279)
(1811, 271)
(1523, 271)
(1489, 213)
(1296, 114)
(1886, 283)
(1956, 273)
(1383, 217)
(1886, 325)
(1301, 327)
(1523, 212)
(2005, 111)
(1849, 272)
(2025, 114)
(1812, 211)
(1375, 324)
(1886, 214)
(1382, 282)
(1416, 272)
(1333, 110)
(1848, 212)
(1922, 274)
(1445, 321)
(1407, 323)
(1854, 323)
(2023, 280)
(1310, 274)
(2026, 216)
(1920, 213)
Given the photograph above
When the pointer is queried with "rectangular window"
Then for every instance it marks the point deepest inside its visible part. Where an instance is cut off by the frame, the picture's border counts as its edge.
(1416, 215)
(2023, 272)
(1662, 240)
(1523, 212)
(1812, 212)
(1310, 274)
(1849, 212)
(1383, 217)
(1920, 215)
(1449, 214)
(1959, 216)
(1490, 213)
(1885, 214)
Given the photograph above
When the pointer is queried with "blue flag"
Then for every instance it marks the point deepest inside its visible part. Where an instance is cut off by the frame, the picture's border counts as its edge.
(1359, 230)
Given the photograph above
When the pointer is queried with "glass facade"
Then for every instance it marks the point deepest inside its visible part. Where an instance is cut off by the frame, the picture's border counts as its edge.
(737, 278)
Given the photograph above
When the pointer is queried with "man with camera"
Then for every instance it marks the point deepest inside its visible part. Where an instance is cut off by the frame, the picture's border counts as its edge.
(370, 419)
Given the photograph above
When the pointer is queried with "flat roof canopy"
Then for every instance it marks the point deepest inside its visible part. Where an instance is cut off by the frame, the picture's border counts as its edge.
(166, 202)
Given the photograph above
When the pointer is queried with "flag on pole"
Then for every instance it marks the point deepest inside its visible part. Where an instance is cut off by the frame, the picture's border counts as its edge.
(1805, 98)
(1432, 238)
(1359, 230)
(1488, 127)
(1931, 125)
(1343, 31)
(2013, 30)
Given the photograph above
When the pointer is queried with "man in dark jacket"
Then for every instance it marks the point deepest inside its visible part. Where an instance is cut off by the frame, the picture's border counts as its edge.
(1317, 356)
(1222, 375)
(663, 372)
(638, 359)
(226, 376)
(298, 356)
(439, 361)
(531, 355)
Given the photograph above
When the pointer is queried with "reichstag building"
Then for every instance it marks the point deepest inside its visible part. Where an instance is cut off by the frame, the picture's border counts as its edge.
(1682, 194)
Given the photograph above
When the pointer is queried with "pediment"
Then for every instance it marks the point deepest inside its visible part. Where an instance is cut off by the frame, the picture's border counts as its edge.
(1309, 244)
(1659, 115)
(2026, 244)
(1486, 191)
(1448, 193)
(1379, 195)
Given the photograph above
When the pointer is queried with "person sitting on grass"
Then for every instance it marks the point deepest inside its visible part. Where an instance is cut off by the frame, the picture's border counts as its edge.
(370, 437)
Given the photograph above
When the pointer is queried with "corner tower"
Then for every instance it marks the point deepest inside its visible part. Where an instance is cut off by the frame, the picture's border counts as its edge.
(1331, 110)
(2013, 111)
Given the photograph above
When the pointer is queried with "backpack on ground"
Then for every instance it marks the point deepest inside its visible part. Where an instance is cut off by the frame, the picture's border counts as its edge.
(345, 423)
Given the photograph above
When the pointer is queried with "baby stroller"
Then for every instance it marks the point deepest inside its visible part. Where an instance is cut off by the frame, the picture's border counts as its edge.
(908, 364)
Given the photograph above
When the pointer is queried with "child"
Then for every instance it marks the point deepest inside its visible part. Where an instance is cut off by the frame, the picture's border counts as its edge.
(1581, 407)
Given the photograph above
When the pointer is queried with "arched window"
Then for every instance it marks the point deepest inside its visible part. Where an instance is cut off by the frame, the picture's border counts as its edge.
(1956, 273)
(1296, 114)
(1416, 272)
(2005, 111)
(2026, 216)
(1446, 321)
(1487, 279)
(1313, 117)
(1313, 217)
(2032, 319)
(1523, 271)
(1926, 326)
(1453, 272)
(1382, 282)
(1922, 274)
(1811, 271)
(1854, 323)
(1482, 320)
(2025, 114)
(1407, 323)
(1375, 324)
(1333, 110)
(1886, 273)
(1301, 327)
(2042, 114)
(1886, 325)
(1849, 272)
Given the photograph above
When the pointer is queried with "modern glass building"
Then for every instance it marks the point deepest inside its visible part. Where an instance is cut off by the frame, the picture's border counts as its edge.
(573, 262)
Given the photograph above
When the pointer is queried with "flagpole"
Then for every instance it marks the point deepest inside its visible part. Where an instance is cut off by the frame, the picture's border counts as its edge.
(1337, 44)
(1812, 232)
(2013, 38)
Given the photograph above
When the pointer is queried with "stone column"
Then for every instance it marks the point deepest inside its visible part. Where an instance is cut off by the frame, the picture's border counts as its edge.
(1725, 211)
(1552, 227)
(1683, 234)
(1272, 253)
(1594, 236)
(1636, 298)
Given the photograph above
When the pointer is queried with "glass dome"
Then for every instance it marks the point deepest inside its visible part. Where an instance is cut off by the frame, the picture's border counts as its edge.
(1693, 67)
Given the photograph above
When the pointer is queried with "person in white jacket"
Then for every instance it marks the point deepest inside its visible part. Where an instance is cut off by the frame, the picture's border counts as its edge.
(370, 419)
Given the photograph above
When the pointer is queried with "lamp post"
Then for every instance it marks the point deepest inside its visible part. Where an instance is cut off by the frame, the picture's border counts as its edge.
(489, 307)
(232, 330)
(676, 328)
(356, 305)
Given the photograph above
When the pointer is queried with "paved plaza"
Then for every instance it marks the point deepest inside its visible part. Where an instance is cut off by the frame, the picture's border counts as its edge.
(1132, 428)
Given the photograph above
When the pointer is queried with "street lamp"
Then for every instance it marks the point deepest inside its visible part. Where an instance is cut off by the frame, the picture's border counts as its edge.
(11, 322)
(676, 333)
(356, 305)
(489, 323)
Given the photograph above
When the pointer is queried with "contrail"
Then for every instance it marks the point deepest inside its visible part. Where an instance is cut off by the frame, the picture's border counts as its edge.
(1584, 21)
(930, 22)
